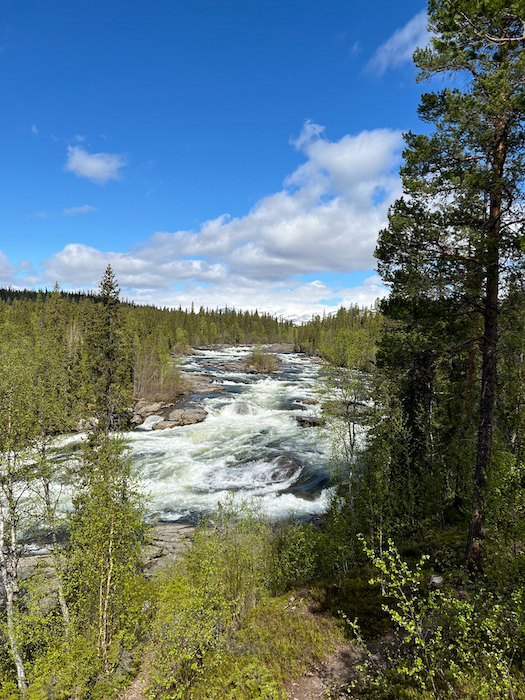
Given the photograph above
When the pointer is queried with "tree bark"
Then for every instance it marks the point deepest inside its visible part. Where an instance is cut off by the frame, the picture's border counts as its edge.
(9, 579)
(476, 534)
(57, 557)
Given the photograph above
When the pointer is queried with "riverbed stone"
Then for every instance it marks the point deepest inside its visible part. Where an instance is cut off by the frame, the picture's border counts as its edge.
(163, 424)
(285, 468)
(147, 409)
(186, 416)
(309, 421)
(150, 422)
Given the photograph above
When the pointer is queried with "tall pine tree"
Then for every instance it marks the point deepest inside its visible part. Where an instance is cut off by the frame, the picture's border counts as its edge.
(457, 233)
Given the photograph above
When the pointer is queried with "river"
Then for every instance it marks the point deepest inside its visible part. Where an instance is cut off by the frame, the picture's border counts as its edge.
(250, 447)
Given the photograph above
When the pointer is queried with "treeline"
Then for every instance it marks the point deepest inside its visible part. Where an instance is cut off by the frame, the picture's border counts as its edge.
(346, 338)
(153, 337)
(179, 327)
(149, 340)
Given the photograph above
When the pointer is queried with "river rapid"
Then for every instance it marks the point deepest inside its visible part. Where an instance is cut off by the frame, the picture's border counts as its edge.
(250, 447)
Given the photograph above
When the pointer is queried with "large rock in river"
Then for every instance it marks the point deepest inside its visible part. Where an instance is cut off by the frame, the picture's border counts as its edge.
(186, 416)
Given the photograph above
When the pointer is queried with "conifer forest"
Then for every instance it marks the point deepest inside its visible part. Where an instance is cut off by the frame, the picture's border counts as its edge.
(415, 573)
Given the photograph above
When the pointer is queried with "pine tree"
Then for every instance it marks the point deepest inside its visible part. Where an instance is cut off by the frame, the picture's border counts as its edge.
(455, 235)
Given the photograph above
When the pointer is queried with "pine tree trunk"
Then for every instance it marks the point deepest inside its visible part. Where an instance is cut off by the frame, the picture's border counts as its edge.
(476, 533)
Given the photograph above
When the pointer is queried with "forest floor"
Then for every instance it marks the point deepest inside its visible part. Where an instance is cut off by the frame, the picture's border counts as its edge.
(329, 679)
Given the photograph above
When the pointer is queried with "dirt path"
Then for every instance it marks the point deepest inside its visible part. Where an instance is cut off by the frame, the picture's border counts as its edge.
(135, 691)
(328, 680)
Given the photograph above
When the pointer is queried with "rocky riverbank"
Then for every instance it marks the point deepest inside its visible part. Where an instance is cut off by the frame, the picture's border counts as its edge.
(165, 544)
(157, 415)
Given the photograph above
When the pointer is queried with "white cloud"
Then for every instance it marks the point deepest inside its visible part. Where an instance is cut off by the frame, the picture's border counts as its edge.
(7, 271)
(41, 215)
(324, 220)
(78, 210)
(375, 280)
(34, 129)
(97, 167)
(401, 45)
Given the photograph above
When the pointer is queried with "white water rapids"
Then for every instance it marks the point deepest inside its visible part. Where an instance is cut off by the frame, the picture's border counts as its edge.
(250, 447)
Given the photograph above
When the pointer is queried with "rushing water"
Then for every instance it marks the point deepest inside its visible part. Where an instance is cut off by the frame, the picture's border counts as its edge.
(250, 445)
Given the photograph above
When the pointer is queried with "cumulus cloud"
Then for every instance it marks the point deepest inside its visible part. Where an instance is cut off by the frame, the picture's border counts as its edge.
(7, 271)
(78, 210)
(401, 45)
(374, 280)
(324, 220)
(97, 167)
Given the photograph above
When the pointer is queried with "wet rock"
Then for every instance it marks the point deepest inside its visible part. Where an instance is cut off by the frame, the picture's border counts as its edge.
(309, 421)
(143, 408)
(435, 581)
(285, 468)
(242, 408)
(307, 401)
(202, 384)
(186, 416)
(163, 424)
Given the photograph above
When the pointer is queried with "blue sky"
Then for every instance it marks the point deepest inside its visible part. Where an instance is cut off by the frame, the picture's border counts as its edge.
(224, 152)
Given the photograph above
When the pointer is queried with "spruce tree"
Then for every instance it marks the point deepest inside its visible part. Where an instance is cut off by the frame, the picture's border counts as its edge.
(107, 358)
(457, 233)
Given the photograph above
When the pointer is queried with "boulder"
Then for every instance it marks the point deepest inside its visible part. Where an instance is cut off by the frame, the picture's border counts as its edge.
(285, 468)
(143, 408)
(187, 416)
(85, 424)
(150, 422)
(163, 424)
(309, 421)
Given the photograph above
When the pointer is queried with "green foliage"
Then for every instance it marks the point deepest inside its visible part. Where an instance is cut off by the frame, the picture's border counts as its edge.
(217, 633)
(103, 554)
(107, 358)
(286, 638)
(347, 338)
(451, 254)
(239, 678)
(450, 641)
(186, 637)
(156, 375)
(66, 670)
(262, 361)
(296, 556)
